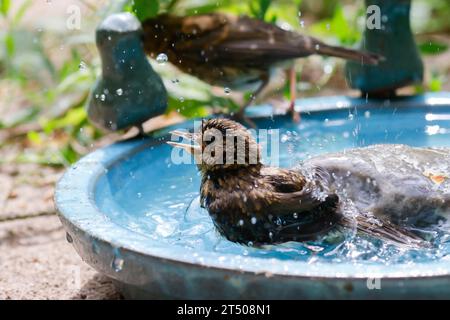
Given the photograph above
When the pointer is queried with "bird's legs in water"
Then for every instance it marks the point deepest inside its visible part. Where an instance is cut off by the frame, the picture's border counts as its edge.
(240, 115)
(293, 94)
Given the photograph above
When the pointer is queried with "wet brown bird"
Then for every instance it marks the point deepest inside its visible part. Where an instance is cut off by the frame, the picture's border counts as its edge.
(235, 51)
(253, 203)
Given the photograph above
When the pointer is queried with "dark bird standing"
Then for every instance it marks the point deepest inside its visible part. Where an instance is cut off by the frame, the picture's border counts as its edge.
(253, 203)
(235, 51)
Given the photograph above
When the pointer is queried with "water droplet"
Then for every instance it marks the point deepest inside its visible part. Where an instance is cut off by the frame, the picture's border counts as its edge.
(253, 220)
(351, 116)
(295, 215)
(302, 23)
(117, 262)
(367, 114)
(241, 223)
(139, 195)
(181, 99)
(328, 68)
(227, 90)
(162, 58)
(69, 238)
(317, 46)
(102, 97)
(119, 91)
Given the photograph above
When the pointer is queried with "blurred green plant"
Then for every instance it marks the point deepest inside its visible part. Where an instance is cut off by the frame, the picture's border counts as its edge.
(338, 26)
(432, 47)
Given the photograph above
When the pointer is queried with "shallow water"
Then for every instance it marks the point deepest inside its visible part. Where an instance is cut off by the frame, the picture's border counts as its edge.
(150, 195)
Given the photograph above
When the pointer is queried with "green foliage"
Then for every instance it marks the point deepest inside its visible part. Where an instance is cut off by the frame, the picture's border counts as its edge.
(338, 27)
(144, 9)
(435, 83)
(432, 47)
(9, 45)
(259, 9)
(4, 7)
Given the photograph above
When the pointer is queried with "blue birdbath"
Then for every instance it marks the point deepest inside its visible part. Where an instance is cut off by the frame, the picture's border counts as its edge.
(134, 215)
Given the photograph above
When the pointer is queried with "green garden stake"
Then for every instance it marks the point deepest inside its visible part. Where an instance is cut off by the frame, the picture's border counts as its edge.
(388, 33)
(129, 91)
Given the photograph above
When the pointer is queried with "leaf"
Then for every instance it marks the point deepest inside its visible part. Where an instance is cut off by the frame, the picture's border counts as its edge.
(144, 9)
(432, 47)
(4, 7)
(259, 11)
(73, 118)
(435, 84)
(34, 137)
(69, 154)
(10, 45)
(188, 108)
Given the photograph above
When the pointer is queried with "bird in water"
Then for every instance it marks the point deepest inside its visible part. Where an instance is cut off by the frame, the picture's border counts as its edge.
(250, 202)
(236, 52)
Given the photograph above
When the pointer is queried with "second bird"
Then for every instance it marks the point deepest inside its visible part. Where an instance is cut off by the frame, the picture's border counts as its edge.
(238, 52)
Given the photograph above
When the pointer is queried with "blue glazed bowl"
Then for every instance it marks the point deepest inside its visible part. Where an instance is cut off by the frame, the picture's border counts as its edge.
(123, 207)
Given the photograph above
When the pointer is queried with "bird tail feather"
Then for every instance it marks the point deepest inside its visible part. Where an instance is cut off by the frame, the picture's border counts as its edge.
(385, 230)
(356, 55)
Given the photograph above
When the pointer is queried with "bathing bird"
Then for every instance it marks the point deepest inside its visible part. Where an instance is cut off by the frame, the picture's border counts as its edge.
(250, 202)
(236, 52)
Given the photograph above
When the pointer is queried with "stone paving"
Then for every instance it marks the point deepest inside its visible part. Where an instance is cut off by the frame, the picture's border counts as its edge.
(36, 261)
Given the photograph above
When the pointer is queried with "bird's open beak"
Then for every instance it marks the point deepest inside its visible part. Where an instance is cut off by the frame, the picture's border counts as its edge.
(191, 148)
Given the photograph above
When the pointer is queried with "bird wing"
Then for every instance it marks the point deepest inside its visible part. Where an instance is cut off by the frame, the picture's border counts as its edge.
(295, 193)
(227, 39)
(304, 209)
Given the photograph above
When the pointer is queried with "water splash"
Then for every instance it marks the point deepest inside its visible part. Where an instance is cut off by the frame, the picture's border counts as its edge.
(117, 262)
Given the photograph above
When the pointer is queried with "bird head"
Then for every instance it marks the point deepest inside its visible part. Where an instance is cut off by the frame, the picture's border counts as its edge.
(221, 145)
